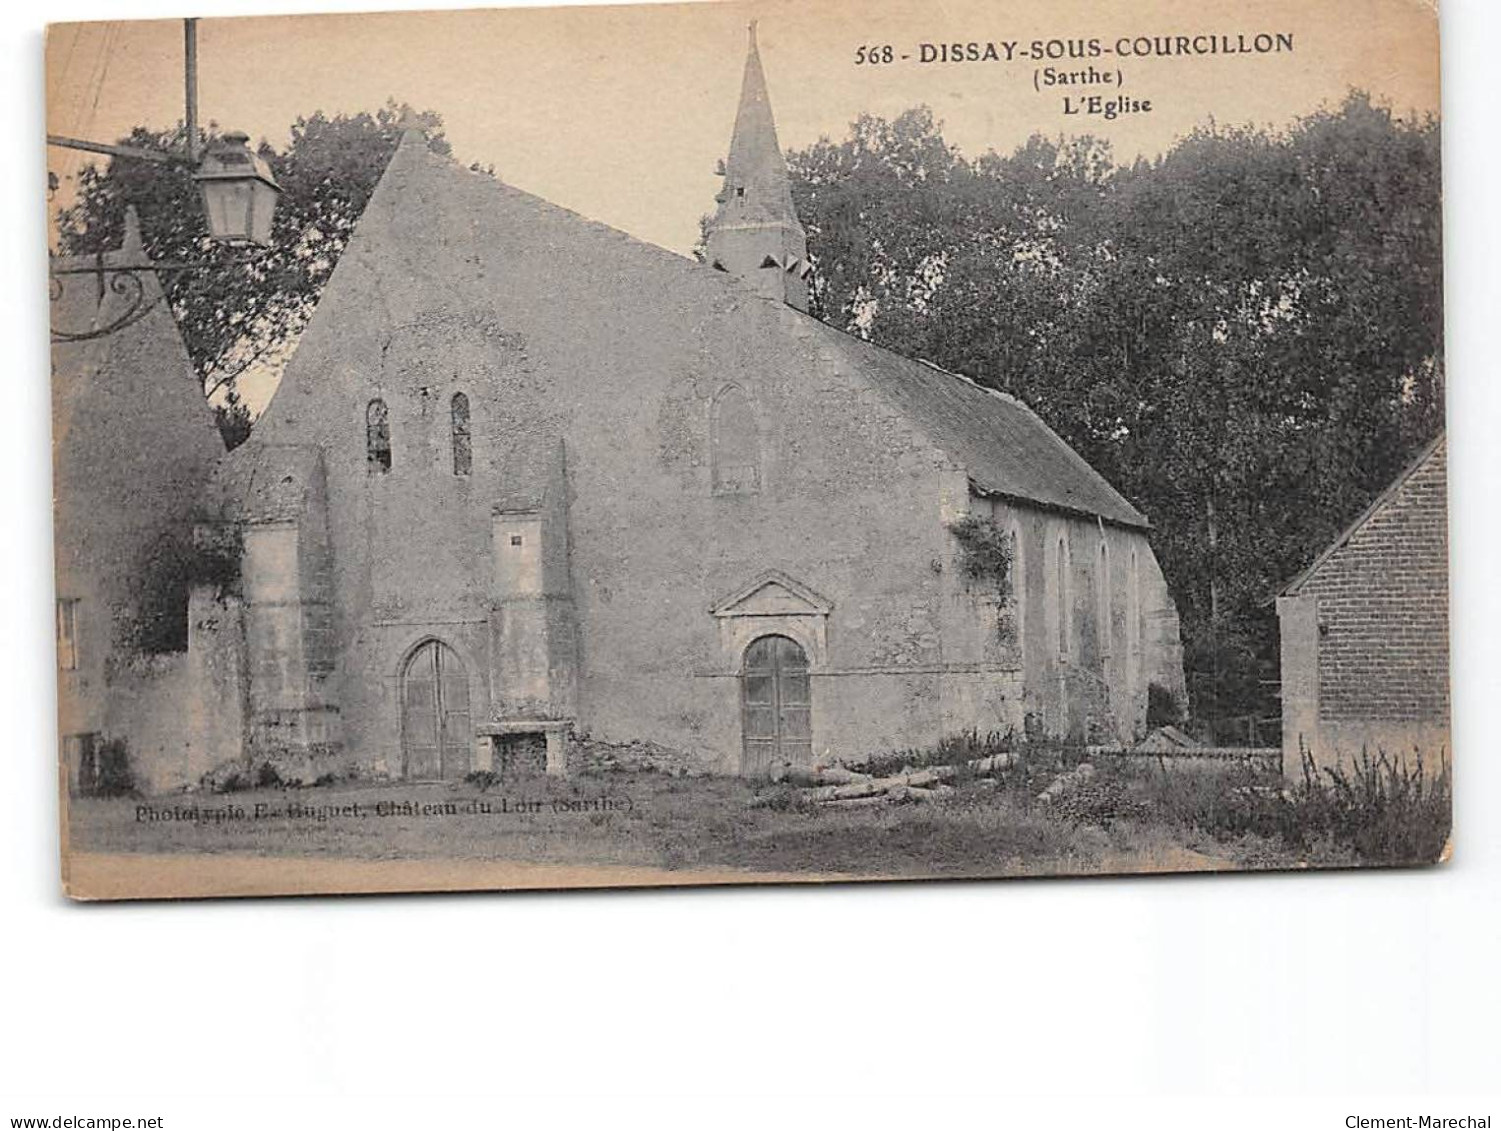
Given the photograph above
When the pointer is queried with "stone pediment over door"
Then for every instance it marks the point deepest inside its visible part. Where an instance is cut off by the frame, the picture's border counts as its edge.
(774, 604)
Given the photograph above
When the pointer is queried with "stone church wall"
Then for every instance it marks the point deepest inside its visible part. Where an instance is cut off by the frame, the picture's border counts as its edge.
(709, 437)
(1086, 675)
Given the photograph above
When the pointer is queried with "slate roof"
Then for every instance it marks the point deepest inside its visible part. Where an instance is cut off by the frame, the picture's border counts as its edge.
(1004, 446)
(756, 164)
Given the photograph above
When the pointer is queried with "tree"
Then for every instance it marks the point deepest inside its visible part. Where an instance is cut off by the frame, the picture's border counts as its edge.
(1244, 335)
(234, 309)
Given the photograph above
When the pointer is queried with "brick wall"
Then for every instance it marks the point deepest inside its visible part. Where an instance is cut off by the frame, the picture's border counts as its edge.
(1383, 602)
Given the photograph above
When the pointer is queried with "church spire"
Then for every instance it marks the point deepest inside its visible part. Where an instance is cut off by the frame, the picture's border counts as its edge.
(755, 232)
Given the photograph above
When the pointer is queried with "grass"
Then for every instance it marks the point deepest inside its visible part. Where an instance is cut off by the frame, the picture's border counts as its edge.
(660, 821)
(1129, 816)
(1377, 812)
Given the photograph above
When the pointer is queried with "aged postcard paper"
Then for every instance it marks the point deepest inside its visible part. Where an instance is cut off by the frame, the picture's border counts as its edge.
(723, 443)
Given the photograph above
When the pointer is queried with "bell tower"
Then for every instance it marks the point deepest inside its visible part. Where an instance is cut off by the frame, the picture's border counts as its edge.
(755, 232)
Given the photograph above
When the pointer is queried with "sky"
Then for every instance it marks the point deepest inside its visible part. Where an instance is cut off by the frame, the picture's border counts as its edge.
(621, 113)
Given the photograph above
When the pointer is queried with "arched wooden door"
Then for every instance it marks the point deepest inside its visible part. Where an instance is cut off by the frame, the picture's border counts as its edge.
(776, 704)
(436, 736)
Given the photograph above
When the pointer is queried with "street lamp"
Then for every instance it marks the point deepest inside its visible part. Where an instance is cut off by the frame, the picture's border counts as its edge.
(235, 184)
(239, 193)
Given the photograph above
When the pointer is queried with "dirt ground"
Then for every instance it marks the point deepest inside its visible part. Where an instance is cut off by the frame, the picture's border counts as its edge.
(650, 821)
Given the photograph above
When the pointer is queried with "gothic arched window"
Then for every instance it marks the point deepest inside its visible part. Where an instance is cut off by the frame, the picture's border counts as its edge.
(1062, 595)
(1018, 583)
(1133, 607)
(377, 436)
(463, 453)
(734, 443)
(1103, 602)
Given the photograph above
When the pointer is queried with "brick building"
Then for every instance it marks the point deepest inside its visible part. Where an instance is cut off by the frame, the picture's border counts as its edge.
(526, 476)
(1365, 631)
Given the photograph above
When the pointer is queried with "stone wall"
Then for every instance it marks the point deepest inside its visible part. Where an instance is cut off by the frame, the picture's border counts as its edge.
(1089, 620)
(183, 714)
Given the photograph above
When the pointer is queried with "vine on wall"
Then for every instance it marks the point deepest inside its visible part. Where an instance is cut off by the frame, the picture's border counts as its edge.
(984, 552)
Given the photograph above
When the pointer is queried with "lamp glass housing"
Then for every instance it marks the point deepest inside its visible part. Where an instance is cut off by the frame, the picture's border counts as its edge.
(238, 191)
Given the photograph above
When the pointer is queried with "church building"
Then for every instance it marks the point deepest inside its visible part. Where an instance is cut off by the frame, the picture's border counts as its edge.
(527, 477)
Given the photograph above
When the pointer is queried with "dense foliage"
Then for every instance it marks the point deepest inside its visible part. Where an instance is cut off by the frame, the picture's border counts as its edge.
(1243, 335)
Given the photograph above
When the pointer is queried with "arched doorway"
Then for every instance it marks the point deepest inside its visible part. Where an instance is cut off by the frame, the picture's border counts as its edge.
(776, 703)
(436, 736)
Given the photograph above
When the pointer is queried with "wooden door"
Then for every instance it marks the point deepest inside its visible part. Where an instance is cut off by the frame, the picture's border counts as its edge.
(436, 735)
(776, 706)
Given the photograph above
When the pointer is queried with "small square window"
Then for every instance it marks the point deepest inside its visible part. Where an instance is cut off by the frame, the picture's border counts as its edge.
(515, 539)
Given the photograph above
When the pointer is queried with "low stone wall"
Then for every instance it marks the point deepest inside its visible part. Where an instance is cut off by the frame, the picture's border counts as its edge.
(181, 715)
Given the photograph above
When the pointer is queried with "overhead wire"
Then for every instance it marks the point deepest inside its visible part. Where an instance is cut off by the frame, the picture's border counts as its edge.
(89, 95)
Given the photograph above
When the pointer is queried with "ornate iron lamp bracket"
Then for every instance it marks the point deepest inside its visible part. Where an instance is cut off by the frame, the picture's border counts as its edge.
(124, 282)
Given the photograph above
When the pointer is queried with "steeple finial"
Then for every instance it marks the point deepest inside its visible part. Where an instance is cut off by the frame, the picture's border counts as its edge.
(409, 123)
(755, 232)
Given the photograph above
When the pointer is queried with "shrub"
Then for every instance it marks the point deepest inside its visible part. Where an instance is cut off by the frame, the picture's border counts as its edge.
(484, 779)
(1388, 812)
(1162, 708)
(1380, 810)
(215, 557)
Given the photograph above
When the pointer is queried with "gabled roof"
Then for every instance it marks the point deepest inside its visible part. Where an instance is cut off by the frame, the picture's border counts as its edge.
(1004, 446)
(129, 420)
(1292, 588)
